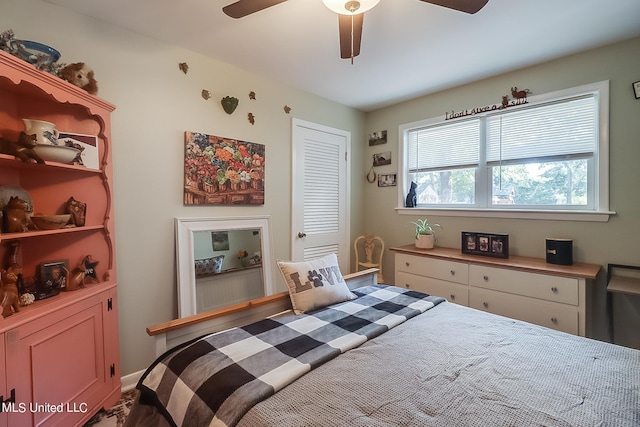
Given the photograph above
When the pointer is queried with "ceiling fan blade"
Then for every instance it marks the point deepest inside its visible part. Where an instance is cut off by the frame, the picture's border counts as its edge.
(344, 26)
(467, 6)
(242, 8)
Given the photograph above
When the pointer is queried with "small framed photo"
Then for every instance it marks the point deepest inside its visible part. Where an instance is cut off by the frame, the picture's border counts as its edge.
(387, 180)
(54, 275)
(636, 89)
(378, 137)
(486, 244)
(381, 159)
(220, 240)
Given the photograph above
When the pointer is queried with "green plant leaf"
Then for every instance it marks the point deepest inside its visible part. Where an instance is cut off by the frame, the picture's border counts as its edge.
(423, 227)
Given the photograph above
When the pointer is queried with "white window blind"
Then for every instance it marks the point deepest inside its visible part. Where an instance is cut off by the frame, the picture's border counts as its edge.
(447, 146)
(560, 130)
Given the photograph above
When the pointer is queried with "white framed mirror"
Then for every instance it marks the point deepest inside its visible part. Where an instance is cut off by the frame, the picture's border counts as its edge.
(222, 261)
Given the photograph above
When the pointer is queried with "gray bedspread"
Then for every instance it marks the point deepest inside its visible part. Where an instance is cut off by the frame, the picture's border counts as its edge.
(455, 366)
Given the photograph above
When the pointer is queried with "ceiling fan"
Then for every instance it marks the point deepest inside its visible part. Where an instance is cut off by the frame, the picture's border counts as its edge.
(350, 16)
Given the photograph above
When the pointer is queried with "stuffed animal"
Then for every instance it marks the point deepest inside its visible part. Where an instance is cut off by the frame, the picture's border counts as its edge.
(80, 75)
(23, 149)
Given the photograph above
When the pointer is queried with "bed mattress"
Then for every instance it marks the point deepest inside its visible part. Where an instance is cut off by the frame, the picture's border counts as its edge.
(456, 366)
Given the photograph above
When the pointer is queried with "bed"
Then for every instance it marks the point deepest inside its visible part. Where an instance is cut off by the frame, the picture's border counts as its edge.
(423, 361)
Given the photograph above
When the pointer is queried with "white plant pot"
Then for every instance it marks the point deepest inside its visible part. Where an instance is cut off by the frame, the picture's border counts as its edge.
(425, 241)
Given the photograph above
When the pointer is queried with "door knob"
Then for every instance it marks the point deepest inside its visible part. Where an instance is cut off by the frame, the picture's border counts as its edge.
(301, 234)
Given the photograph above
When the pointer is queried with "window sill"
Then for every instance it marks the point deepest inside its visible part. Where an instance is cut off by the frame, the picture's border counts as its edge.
(556, 215)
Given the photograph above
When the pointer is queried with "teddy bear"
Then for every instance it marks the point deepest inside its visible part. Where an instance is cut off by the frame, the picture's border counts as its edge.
(80, 75)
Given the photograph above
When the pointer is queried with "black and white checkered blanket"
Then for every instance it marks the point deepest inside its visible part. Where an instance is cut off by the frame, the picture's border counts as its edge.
(216, 379)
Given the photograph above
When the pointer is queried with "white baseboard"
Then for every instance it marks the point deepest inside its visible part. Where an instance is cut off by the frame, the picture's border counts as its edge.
(129, 381)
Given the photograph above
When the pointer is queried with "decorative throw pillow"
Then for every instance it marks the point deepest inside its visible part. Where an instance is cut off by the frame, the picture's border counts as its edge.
(209, 265)
(200, 267)
(216, 263)
(315, 283)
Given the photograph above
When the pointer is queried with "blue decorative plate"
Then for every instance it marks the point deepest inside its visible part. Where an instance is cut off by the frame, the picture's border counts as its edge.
(36, 53)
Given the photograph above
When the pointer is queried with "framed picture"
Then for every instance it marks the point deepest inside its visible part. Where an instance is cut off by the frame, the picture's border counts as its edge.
(636, 89)
(54, 275)
(387, 180)
(378, 137)
(220, 240)
(381, 159)
(222, 171)
(486, 244)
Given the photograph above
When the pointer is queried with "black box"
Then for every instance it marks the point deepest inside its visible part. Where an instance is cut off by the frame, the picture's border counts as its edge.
(559, 251)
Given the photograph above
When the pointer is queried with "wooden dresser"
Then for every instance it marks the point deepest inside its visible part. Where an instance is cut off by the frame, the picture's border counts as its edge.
(522, 288)
(59, 357)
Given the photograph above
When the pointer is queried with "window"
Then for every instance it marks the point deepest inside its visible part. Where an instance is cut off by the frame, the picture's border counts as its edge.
(544, 154)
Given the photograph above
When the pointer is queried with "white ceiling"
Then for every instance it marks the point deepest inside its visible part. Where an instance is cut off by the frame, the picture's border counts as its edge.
(409, 48)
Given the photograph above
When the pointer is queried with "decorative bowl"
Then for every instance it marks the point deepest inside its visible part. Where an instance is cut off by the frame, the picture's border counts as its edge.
(56, 153)
(50, 222)
(36, 53)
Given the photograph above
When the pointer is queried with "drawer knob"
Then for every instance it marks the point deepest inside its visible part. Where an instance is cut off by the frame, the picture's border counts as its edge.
(406, 263)
(485, 304)
(452, 296)
(486, 278)
(406, 285)
(554, 320)
(554, 289)
(453, 272)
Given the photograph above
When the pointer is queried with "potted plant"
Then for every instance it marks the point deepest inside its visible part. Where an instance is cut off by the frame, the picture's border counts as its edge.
(425, 234)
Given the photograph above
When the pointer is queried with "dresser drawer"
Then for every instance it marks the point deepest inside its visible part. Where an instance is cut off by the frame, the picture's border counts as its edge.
(552, 315)
(453, 292)
(551, 288)
(438, 269)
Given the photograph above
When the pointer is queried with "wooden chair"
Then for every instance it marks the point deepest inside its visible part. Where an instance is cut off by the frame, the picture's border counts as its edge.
(372, 247)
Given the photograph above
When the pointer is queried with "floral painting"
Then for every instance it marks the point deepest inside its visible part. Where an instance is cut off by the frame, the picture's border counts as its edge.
(222, 171)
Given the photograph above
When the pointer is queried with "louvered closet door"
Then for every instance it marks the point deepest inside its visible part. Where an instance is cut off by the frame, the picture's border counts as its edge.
(319, 199)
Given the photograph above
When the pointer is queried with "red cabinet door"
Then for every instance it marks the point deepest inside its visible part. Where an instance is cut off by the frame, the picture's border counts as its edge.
(56, 363)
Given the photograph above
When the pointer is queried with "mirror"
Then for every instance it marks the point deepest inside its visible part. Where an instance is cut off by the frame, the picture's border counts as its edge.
(222, 261)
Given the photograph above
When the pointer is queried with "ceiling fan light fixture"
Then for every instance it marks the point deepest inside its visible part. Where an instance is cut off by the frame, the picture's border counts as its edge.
(345, 7)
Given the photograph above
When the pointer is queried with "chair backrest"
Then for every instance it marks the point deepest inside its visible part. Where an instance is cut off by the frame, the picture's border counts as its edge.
(371, 246)
(369, 250)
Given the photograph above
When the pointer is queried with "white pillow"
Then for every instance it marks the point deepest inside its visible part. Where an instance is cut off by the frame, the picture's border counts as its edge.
(314, 284)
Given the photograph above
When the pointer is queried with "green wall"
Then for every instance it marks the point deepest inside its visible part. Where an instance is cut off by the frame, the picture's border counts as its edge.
(614, 241)
(155, 104)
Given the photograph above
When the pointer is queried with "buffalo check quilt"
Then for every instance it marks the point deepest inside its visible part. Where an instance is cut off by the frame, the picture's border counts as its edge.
(216, 379)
